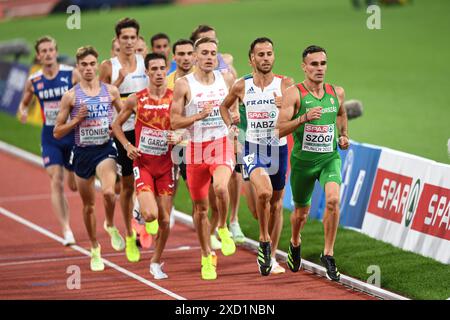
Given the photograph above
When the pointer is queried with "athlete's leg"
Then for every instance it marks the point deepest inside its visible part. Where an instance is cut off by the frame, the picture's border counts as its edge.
(58, 199)
(106, 172)
(298, 221)
(164, 206)
(148, 205)
(214, 221)
(71, 180)
(221, 177)
(276, 218)
(250, 195)
(126, 201)
(201, 222)
(86, 188)
(331, 216)
(263, 190)
(235, 187)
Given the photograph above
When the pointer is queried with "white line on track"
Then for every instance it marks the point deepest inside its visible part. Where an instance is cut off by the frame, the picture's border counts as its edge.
(53, 236)
(32, 197)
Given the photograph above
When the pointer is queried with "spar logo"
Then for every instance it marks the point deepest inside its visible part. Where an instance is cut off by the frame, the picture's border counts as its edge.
(403, 200)
(259, 115)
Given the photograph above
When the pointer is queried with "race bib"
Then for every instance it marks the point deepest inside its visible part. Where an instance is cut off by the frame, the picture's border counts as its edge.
(153, 142)
(214, 119)
(51, 109)
(94, 131)
(318, 138)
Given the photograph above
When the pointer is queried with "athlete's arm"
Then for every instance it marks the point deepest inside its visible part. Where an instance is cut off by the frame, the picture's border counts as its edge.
(289, 107)
(76, 76)
(341, 120)
(128, 108)
(230, 102)
(182, 94)
(28, 93)
(61, 127)
(116, 101)
(105, 71)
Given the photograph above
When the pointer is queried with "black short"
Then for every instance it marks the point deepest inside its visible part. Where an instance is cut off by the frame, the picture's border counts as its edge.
(124, 164)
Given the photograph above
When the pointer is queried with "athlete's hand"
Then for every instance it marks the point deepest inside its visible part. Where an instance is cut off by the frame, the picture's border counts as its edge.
(235, 117)
(82, 113)
(314, 113)
(206, 111)
(173, 137)
(132, 151)
(233, 131)
(277, 99)
(344, 142)
(23, 115)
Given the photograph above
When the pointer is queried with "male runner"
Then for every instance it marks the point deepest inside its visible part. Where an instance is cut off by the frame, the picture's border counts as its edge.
(153, 167)
(160, 43)
(265, 154)
(90, 106)
(127, 73)
(49, 85)
(313, 111)
(115, 47)
(209, 153)
(141, 47)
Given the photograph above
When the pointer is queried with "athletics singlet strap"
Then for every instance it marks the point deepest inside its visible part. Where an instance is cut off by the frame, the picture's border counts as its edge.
(329, 89)
(302, 89)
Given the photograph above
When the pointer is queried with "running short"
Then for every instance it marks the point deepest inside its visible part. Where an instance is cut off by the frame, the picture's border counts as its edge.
(305, 173)
(57, 152)
(154, 175)
(86, 159)
(124, 164)
(202, 160)
(274, 160)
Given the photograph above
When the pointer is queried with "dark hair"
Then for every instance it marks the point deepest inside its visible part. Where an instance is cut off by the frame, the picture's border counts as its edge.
(180, 43)
(159, 36)
(256, 41)
(85, 51)
(200, 29)
(312, 49)
(204, 40)
(42, 40)
(153, 56)
(126, 23)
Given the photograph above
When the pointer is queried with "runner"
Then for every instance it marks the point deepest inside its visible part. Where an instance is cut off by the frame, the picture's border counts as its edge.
(115, 47)
(90, 106)
(209, 152)
(151, 153)
(160, 43)
(127, 73)
(49, 85)
(313, 111)
(265, 154)
(141, 47)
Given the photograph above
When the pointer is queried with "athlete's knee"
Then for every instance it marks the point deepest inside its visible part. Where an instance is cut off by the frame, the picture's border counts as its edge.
(149, 214)
(332, 203)
(57, 183)
(265, 195)
(300, 214)
(201, 211)
(164, 222)
(88, 209)
(220, 191)
(109, 194)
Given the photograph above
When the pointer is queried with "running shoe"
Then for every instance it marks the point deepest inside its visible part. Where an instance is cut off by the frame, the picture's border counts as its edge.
(156, 271)
(215, 243)
(228, 246)
(131, 249)
(208, 268)
(330, 264)
(276, 268)
(152, 227)
(69, 239)
(96, 260)
(264, 260)
(117, 241)
(238, 236)
(294, 257)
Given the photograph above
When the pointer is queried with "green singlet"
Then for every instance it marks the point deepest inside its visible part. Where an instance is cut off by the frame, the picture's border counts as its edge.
(315, 156)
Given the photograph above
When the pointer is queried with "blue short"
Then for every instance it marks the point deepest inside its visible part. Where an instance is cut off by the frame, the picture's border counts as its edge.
(274, 159)
(56, 152)
(86, 159)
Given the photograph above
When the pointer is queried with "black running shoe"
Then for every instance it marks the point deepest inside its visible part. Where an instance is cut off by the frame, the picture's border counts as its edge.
(330, 264)
(294, 260)
(264, 258)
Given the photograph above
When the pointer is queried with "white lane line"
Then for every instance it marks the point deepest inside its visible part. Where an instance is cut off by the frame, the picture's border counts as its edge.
(53, 236)
(108, 255)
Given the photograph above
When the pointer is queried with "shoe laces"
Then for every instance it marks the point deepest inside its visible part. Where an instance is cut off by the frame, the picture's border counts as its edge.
(331, 263)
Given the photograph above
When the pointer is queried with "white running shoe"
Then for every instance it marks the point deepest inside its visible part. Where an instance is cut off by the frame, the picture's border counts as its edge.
(215, 243)
(156, 271)
(276, 268)
(69, 239)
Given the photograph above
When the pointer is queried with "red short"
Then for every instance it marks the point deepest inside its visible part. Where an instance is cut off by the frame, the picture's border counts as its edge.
(154, 174)
(202, 160)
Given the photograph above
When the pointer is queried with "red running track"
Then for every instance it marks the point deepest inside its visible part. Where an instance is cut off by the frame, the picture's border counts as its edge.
(34, 265)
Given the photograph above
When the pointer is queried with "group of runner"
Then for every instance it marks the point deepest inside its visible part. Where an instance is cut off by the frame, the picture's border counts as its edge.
(148, 119)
